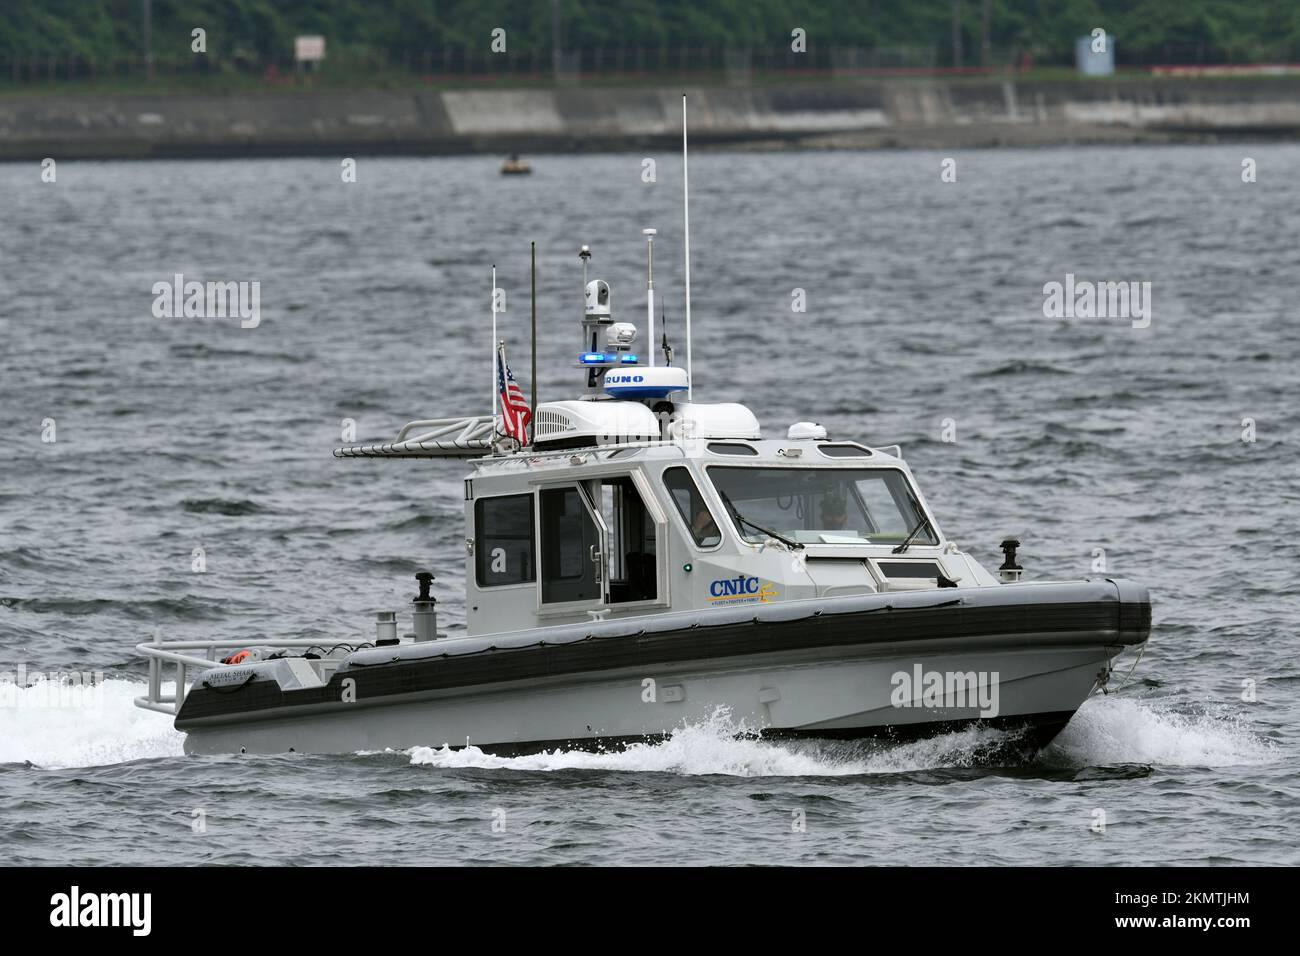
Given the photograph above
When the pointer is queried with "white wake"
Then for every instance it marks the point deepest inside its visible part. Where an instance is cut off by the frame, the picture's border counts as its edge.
(1105, 731)
(51, 726)
(37, 726)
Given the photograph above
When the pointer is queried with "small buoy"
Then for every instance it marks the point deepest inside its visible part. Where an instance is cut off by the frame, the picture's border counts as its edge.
(514, 166)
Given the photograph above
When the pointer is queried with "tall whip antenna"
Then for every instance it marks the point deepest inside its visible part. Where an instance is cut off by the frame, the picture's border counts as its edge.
(686, 228)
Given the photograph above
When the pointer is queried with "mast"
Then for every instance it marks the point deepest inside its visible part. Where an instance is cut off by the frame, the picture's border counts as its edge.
(650, 291)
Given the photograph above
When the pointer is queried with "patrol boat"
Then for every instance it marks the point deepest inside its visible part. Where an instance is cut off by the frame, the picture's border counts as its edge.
(637, 559)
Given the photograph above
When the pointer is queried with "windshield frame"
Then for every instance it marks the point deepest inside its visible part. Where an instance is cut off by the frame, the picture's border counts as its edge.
(929, 535)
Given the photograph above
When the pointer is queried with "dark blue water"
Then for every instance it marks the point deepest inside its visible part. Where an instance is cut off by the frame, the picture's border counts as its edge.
(924, 310)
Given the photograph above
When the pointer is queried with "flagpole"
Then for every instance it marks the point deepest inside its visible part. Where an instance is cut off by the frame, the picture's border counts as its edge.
(686, 230)
(506, 410)
(494, 348)
(533, 409)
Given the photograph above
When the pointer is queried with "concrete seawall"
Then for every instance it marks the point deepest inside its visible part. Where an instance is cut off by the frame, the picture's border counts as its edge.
(905, 112)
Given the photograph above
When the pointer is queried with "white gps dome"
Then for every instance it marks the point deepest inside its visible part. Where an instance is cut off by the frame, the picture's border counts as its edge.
(803, 431)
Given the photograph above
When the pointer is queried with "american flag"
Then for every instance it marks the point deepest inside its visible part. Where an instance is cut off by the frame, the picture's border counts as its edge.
(515, 414)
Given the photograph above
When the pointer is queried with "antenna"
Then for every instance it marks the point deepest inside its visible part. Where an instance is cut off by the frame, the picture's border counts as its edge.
(668, 349)
(650, 291)
(686, 227)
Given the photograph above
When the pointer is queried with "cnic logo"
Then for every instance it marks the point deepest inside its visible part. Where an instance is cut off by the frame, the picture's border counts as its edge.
(730, 587)
(741, 590)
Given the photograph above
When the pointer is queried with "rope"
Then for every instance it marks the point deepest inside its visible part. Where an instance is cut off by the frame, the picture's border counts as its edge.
(1128, 679)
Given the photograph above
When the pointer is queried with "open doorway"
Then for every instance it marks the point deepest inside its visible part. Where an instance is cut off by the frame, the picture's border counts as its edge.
(632, 562)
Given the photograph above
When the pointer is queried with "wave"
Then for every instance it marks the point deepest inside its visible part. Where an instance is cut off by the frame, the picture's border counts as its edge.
(53, 726)
(1106, 732)
(1112, 730)
(188, 608)
(201, 351)
(222, 506)
(720, 747)
(45, 726)
(1021, 367)
(711, 746)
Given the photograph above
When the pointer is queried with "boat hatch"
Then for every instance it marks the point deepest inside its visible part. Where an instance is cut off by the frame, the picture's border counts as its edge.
(899, 575)
(845, 450)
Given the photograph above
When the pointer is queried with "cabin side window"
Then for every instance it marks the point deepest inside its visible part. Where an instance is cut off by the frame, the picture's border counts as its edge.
(690, 505)
(503, 541)
(570, 548)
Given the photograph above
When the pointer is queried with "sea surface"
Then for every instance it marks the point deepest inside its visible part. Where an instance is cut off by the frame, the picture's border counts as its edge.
(924, 326)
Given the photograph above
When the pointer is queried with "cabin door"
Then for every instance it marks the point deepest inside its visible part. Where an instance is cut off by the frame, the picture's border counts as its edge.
(573, 540)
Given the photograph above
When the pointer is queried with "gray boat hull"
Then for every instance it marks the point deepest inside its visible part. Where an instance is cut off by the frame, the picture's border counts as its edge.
(1022, 656)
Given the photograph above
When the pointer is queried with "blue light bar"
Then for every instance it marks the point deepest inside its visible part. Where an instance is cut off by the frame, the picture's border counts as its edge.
(598, 358)
(628, 359)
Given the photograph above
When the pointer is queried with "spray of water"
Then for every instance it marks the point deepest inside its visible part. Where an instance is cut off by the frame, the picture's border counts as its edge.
(42, 726)
(1117, 730)
(1106, 731)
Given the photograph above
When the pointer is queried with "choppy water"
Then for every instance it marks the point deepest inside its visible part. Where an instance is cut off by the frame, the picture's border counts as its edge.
(924, 304)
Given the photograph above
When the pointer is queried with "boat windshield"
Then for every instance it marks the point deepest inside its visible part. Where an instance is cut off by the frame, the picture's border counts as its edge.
(822, 505)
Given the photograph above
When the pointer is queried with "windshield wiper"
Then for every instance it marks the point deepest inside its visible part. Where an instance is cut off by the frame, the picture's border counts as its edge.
(741, 519)
(923, 523)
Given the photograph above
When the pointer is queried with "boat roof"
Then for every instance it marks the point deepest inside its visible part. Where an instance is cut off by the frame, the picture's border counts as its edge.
(783, 452)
